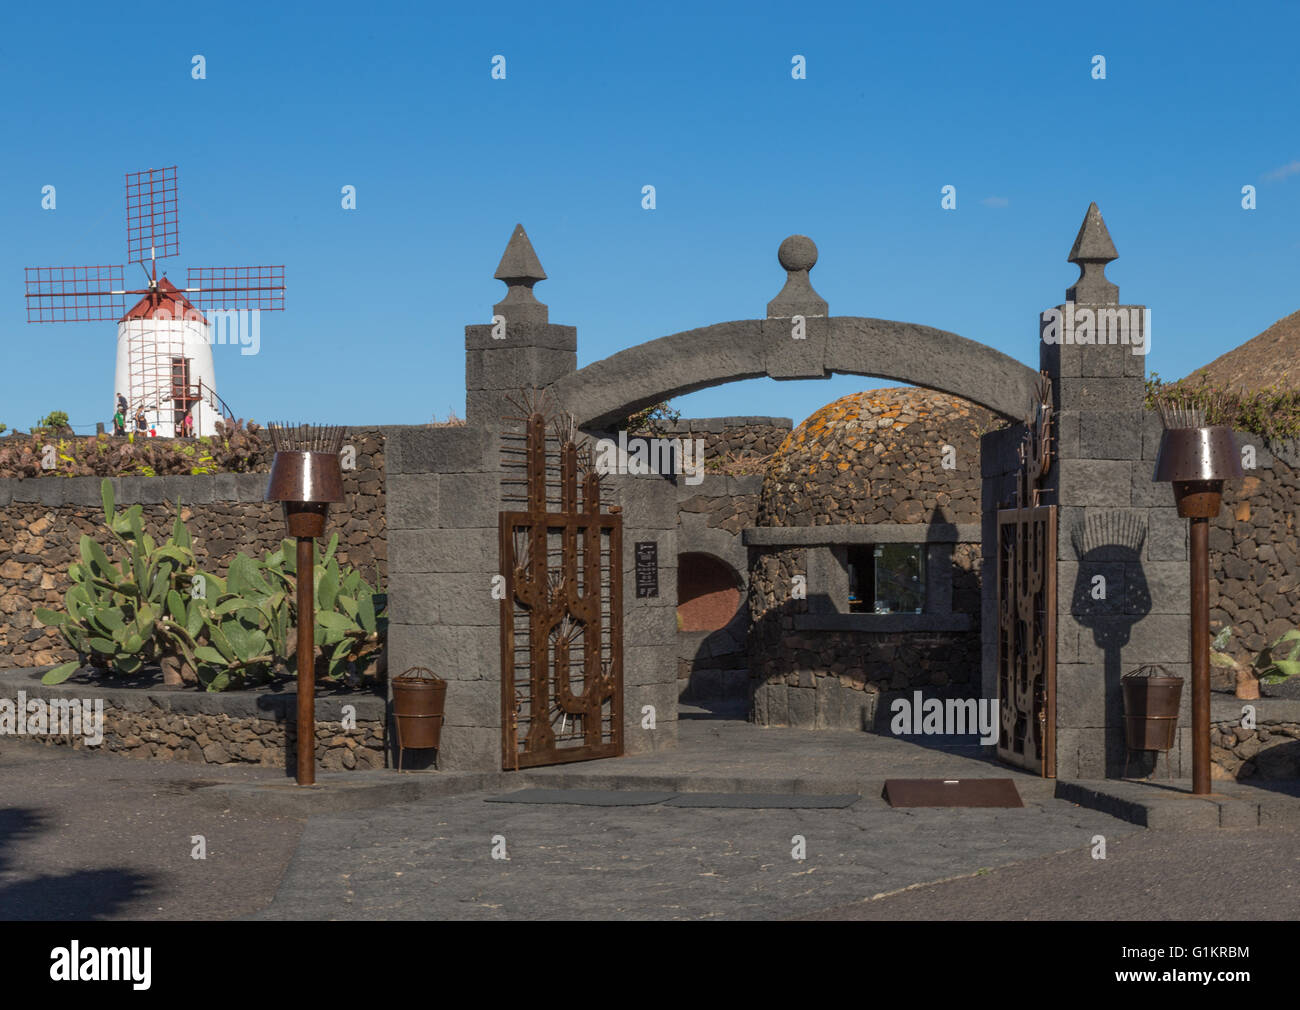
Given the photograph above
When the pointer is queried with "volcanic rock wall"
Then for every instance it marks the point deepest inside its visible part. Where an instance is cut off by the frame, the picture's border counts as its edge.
(42, 520)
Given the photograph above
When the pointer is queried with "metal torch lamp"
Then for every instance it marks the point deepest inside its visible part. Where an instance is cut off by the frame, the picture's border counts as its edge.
(306, 477)
(1197, 458)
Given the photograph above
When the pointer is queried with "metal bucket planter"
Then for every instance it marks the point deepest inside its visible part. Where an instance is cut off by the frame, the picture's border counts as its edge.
(419, 698)
(1151, 700)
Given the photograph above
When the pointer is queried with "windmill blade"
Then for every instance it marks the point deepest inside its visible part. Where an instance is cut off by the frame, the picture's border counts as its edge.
(152, 225)
(236, 287)
(76, 294)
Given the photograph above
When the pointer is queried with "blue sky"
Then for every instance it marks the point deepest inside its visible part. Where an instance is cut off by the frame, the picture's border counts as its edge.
(601, 99)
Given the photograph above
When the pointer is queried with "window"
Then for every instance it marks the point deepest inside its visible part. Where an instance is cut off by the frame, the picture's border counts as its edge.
(887, 578)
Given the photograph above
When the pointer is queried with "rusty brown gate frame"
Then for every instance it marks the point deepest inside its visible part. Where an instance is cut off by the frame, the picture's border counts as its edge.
(1026, 546)
(545, 608)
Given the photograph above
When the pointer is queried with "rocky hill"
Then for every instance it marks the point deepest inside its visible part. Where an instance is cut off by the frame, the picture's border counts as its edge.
(1270, 359)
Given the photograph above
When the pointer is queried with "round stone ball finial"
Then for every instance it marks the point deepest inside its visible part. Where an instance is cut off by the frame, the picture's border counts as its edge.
(798, 252)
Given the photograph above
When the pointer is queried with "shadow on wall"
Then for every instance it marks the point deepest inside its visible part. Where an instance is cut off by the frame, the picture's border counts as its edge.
(1110, 596)
(1275, 768)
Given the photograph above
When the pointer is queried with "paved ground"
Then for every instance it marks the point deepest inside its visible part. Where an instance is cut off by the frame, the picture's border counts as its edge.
(727, 750)
(100, 836)
(1227, 874)
(91, 836)
(433, 859)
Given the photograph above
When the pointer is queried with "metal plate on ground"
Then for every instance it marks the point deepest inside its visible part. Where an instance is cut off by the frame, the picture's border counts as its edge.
(584, 797)
(764, 801)
(952, 793)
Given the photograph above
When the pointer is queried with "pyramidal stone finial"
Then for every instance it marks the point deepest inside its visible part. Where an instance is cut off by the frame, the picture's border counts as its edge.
(1091, 251)
(798, 255)
(520, 269)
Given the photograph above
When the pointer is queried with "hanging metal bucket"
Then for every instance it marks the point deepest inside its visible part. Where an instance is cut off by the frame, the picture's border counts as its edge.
(419, 698)
(1151, 699)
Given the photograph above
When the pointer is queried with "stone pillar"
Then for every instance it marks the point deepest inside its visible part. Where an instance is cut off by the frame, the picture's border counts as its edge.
(520, 348)
(444, 495)
(1122, 570)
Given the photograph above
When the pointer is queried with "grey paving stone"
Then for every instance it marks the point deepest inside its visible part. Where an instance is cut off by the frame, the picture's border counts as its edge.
(764, 801)
(584, 797)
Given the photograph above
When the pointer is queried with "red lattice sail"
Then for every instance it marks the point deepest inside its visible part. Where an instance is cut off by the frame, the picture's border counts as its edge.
(96, 293)
(75, 294)
(236, 287)
(152, 225)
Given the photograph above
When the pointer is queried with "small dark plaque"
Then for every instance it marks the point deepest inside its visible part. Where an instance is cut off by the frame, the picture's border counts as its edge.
(647, 568)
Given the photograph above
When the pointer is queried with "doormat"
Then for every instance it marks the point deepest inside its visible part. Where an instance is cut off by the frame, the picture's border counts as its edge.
(584, 797)
(952, 793)
(764, 801)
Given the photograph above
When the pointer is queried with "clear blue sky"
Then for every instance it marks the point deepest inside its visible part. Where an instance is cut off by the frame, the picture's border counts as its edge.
(600, 99)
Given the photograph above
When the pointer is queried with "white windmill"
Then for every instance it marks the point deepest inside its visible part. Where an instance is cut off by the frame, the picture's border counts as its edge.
(164, 367)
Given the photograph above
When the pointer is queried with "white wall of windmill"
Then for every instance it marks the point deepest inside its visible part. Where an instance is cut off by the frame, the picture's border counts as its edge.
(145, 351)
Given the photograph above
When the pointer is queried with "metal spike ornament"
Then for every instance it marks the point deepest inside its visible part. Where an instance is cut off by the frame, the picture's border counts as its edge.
(306, 478)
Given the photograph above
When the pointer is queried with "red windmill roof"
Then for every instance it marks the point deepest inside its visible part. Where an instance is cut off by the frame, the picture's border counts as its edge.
(171, 300)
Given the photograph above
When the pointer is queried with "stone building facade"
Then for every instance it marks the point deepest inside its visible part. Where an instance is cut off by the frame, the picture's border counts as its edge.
(759, 597)
(896, 467)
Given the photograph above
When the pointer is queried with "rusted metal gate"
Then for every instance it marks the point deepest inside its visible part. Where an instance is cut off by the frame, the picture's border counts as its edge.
(562, 612)
(1026, 573)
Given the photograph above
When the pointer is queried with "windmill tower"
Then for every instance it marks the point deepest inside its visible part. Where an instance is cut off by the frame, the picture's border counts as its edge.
(165, 366)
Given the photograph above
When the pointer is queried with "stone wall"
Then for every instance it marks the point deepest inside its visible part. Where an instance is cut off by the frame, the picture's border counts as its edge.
(821, 678)
(730, 506)
(901, 464)
(728, 440)
(42, 521)
(886, 455)
(238, 727)
(714, 666)
(1255, 554)
(1270, 749)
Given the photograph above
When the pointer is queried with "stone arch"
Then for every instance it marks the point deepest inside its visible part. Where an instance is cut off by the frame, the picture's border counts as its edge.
(609, 390)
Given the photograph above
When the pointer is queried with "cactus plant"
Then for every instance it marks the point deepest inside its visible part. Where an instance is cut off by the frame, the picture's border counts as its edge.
(1280, 659)
(239, 613)
(1245, 683)
(156, 606)
(350, 621)
(125, 615)
(250, 617)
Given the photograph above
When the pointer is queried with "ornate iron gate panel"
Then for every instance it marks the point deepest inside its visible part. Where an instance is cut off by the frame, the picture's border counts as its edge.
(1026, 574)
(562, 612)
(1027, 638)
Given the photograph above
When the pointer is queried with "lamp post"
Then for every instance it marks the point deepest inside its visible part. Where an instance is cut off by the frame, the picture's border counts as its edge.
(306, 477)
(1197, 458)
